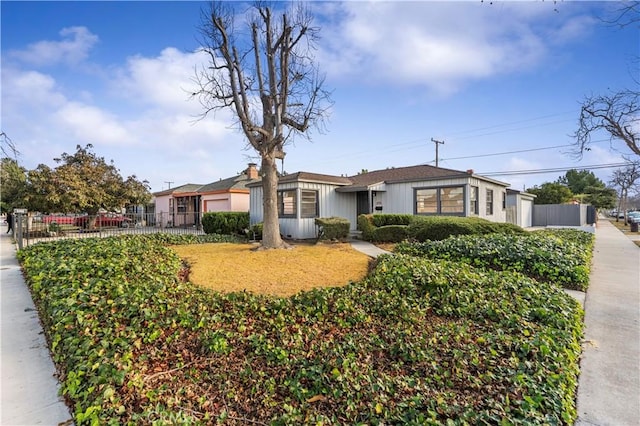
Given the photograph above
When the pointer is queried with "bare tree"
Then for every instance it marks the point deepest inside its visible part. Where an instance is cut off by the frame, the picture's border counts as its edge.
(270, 81)
(8, 147)
(617, 114)
(627, 14)
(626, 181)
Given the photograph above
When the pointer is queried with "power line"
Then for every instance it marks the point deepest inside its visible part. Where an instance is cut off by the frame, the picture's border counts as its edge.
(516, 152)
(553, 170)
(471, 133)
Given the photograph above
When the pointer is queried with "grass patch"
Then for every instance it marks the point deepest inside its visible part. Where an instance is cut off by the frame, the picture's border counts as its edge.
(238, 267)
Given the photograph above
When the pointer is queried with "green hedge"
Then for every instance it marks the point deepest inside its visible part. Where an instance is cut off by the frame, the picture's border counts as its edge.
(232, 223)
(366, 226)
(333, 228)
(561, 257)
(392, 219)
(423, 228)
(390, 233)
(418, 342)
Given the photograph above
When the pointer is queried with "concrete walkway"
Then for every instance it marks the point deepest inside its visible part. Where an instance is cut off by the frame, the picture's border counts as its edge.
(609, 386)
(29, 389)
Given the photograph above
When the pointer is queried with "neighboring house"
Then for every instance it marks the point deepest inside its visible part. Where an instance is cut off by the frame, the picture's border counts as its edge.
(418, 190)
(183, 205)
(520, 208)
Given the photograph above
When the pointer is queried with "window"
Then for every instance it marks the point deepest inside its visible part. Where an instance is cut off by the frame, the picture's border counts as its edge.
(504, 201)
(427, 201)
(447, 200)
(309, 203)
(473, 198)
(182, 204)
(489, 201)
(287, 203)
(452, 200)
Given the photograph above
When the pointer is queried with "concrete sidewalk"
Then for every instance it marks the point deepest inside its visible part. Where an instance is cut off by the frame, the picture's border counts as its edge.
(609, 386)
(29, 389)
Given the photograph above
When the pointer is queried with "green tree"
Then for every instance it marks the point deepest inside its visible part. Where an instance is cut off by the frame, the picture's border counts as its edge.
(13, 183)
(579, 181)
(84, 182)
(601, 198)
(269, 80)
(551, 193)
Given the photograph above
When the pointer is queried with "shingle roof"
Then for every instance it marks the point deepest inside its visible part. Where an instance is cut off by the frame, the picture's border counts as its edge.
(188, 187)
(400, 174)
(315, 177)
(356, 182)
(236, 182)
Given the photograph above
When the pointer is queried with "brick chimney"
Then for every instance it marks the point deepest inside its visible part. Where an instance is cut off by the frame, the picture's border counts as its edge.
(470, 171)
(252, 171)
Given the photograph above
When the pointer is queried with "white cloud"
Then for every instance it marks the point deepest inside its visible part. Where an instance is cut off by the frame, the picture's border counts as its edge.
(73, 48)
(440, 45)
(144, 115)
(165, 81)
(93, 125)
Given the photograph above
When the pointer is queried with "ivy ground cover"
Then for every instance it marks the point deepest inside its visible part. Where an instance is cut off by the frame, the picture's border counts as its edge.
(419, 341)
(561, 256)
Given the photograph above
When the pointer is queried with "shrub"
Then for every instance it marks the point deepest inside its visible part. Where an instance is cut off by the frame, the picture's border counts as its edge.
(333, 228)
(435, 228)
(419, 342)
(539, 255)
(365, 225)
(392, 219)
(233, 223)
(255, 232)
(390, 233)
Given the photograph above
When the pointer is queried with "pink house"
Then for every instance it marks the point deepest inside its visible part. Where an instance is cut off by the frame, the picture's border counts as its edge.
(184, 204)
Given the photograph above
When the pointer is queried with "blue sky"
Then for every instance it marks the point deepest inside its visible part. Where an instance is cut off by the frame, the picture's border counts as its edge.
(503, 78)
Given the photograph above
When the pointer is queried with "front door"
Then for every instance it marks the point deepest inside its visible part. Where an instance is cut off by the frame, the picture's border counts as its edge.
(362, 203)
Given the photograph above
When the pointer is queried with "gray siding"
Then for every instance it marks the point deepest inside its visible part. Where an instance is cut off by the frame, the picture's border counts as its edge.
(330, 203)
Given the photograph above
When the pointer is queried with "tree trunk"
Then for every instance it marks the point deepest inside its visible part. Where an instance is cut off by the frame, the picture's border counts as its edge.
(271, 229)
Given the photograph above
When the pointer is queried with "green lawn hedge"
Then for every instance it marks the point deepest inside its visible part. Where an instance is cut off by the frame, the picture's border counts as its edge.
(562, 256)
(427, 228)
(419, 342)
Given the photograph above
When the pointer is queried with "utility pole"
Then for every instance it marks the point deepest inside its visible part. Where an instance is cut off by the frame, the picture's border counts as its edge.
(437, 143)
(168, 182)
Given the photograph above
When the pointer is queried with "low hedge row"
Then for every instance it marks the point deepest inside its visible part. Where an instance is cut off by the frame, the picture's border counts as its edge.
(396, 227)
(225, 223)
(333, 228)
(560, 256)
(418, 342)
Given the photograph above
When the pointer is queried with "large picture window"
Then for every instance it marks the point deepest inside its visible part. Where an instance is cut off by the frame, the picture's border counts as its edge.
(287, 203)
(446, 200)
(308, 203)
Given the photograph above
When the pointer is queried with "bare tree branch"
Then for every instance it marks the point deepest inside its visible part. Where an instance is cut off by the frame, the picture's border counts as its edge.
(617, 114)
(7, 147)
(268, 77)
(627, 14)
